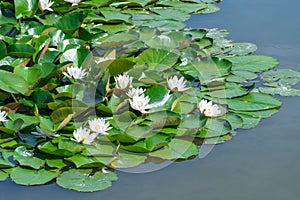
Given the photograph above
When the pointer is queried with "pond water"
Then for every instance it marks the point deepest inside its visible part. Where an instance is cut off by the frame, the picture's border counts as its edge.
(260, 163)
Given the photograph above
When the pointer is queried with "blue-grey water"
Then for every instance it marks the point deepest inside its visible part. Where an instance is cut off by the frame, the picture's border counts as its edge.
(257, 164)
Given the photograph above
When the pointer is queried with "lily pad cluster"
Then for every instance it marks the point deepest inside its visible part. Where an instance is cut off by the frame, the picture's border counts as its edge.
(91, 86)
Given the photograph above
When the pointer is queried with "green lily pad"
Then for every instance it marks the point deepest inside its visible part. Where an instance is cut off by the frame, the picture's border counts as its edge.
(84, 180)
(127, 160)
(157, 59)
(12, 83)
(25, 176)
(25, 158)
(176, 149)
(254, 102)
(253, 63)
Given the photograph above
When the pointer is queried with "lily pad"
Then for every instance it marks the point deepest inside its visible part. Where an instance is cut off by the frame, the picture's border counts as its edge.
(85, 180)
(254, 101)
(176, 149)
(253, 63)
(24, 176)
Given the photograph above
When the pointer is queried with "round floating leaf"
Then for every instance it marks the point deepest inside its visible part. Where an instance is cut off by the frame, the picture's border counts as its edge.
(284, 77)
(254, 101)
(70, 22)
(12, 83)
(118, 39)
(5, 164)
(77, 56)
(25, 176)
(56, 163)
(81, 161)
(253, 63)
(127, 160)
(3, 175)
(119, 66)
(249, 121)
(27, 120)
(20, 50)
(243, 48)
(157, 59)
(258, 114)
(30, 74)
(25, 158)
(231, 90)
(283, 91)
(241, 76)
(176, 149)
(84, 180)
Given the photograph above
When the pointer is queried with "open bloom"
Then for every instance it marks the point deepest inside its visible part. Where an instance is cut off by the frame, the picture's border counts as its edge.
(123, 81)
(175, 84)
(99, 126)
(45, 5)
(135, 92)
(74, 2)
(209, 109)
(3, 115)
(141, 102)
(75, 73)
(84, 135)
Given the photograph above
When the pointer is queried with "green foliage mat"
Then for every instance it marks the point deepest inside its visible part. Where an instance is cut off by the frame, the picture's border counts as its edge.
(144, 40)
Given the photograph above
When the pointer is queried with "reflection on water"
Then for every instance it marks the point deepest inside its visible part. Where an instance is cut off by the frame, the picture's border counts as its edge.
(260, 163)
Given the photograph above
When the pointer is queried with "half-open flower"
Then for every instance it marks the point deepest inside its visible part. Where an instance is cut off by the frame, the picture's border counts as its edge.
(75, 73)
(84, 135)
(135, 92)
(3, 116)
(123, 81)
(208, 109)
(45, 5)
(99, 126)
(74, 2)
(177, 84)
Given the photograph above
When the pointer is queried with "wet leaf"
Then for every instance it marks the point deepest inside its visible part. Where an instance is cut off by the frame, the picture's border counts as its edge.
(25, 158)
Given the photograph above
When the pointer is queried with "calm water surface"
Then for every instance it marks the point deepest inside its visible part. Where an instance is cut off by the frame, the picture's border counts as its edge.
(258, 164)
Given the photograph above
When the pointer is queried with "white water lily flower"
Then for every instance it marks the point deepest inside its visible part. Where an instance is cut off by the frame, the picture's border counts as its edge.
(3, 116)
(74, 2)
(75, 73)
(135, 92)
(123, 81)
(84, 135)
(209, 109)
(45, 5)
(99, 126)
(176, 84)
(141, 102)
